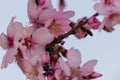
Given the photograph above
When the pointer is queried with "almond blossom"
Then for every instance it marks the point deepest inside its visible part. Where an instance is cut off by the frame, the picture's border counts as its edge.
(31, 68)
(72, 67)
(10, 42)
(111, 20)
(32, 52)
(33, 43)
(106, 7)
(56, 21)
(110, 10)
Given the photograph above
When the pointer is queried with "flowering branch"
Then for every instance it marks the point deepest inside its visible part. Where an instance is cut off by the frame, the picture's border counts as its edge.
(38, 49)
(72, 31)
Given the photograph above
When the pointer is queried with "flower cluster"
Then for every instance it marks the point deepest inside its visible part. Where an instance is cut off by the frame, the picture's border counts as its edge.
(111, 12)
(38, 48)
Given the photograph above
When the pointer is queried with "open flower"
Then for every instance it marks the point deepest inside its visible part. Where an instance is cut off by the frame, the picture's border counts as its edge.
(31, 68)
(56, 21)
(106, 7)
(33, 43)
(10, 42)
(111, 20)
(111, 12)
(72, 68)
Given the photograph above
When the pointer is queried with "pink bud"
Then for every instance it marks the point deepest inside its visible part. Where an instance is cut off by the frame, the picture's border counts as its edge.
(94, 23)
(42, 2)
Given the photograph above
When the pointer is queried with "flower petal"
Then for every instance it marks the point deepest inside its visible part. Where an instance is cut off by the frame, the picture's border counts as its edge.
(9, 57)
(88, 67)
(65, 67)
(10, 29)
(3, 41)
(73, 58)
(33, 11)
(43, 36)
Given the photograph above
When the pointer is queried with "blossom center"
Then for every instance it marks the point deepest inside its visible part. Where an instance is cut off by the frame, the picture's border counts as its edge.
(54, 28)
(28, 42)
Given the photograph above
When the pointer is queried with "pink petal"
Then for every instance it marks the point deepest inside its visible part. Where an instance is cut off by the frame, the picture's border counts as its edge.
(26, 32)
(43, 36)
(57, 74)
(35, 60)
(25, 67)
(37, 50)
(64, 24)
(65, 67)
(10, 29)
(33, 10)
(40, 77)
(74, 78)
(3, 41)
(26, 54)
(45, 16)
(68, 14)
(18, 27)
(46, 57)
(14, 28)
(9, 57)
(73, 58)
(88, 67)
(40, 69)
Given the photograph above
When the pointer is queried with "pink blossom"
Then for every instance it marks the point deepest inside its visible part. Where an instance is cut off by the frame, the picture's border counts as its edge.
(72, 66)
(88, 67)
(93, 23)
(87, 70)
(31, 68)
(110, 10)
(111, 20)
(106, 7)
(36, 7)
(31, 50)
(10, 42)
(33, 43)
(56, 21)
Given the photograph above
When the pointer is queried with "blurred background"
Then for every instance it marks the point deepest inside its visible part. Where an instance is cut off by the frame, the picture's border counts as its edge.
(102, 46)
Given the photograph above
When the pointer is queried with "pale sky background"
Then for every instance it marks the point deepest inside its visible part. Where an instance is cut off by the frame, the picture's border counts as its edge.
(102, 46)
